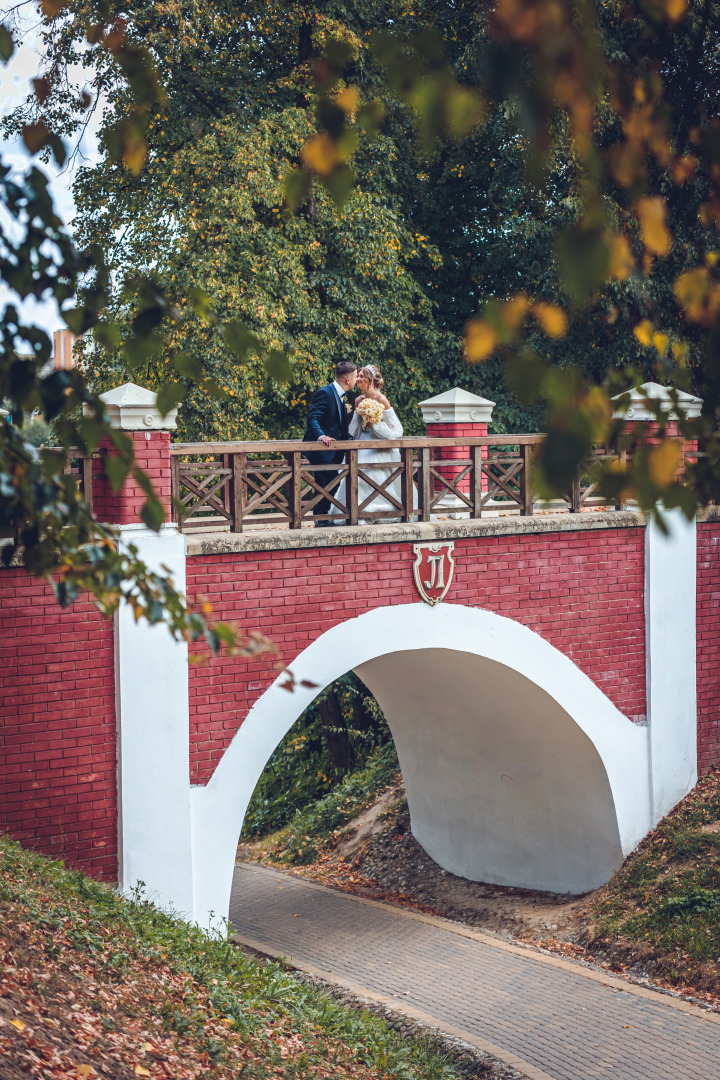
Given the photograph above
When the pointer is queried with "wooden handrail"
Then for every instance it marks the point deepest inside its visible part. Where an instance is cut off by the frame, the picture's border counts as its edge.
(228, 484)
(283, 446)
(271, 482)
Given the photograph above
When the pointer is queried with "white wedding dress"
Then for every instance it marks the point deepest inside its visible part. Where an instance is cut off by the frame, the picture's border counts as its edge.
(388, 428)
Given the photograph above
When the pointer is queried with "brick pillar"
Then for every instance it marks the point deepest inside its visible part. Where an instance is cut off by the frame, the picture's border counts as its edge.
(454, 415)
(133, 409)
(642, 423)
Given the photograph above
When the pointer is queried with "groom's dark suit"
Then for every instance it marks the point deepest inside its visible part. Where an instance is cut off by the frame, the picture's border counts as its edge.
(327, 416)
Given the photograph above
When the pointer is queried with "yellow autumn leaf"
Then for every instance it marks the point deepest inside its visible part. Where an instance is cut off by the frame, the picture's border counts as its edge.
(598, 409)
(512, 312)
(651, 212)
(52, 8)
(480, 341)
(622, 263)
(661, 342)
(644, 332)
(17, 1024)
(140, 1071)
(698, 294)
(684, 169)
(348, 100)
(552, 319)
(85, 1070)
(675, 9)
(320, 153)
(680, 352)
(663, 462)
(135, 153)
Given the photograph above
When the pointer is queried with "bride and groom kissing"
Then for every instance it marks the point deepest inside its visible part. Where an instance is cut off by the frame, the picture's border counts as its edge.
(331, 418)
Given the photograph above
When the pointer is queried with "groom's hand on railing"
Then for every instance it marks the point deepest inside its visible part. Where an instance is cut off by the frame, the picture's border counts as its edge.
(327, 439)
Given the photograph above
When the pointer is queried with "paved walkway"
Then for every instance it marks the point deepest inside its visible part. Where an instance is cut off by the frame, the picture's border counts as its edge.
(547, 1017)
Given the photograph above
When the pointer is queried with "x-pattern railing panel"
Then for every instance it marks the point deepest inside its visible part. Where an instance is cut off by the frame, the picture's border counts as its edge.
(238, 484)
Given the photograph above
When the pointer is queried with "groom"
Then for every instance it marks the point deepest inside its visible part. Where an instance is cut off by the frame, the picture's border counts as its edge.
(328, 419)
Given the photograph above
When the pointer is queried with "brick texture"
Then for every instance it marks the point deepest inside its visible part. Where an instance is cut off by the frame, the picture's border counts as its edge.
(152, 454)
(581, 591)
(57, 749)
(708, 645)
(456, 431)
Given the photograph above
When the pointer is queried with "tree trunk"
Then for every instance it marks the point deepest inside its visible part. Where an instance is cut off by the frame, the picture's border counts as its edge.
(335, 734)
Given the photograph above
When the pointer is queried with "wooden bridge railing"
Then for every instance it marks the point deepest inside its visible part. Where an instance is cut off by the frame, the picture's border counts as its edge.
(272, 482)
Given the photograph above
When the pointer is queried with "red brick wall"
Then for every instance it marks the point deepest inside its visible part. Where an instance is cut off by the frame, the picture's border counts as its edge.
(152, 454)
(582, 591)
(57, 747)
(708, 645)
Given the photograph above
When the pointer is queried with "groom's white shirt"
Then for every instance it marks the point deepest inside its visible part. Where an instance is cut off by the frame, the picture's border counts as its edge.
(340, 393)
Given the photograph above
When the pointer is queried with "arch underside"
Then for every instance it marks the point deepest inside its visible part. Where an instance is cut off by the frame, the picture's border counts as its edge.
(502, 784)
(518, 769)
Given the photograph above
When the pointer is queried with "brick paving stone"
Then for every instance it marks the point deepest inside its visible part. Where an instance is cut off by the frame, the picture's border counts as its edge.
(562, 1020)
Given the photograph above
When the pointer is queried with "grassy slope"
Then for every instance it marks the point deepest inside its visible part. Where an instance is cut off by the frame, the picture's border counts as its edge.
(662, 908)
(94, 985)
(312, 827)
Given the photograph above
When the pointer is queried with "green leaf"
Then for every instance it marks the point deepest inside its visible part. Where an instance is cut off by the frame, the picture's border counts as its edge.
(143, 480)
(297, 188)
(108, 335)
(153, 514)
(278, 366)
(7, 44)
(584, 259)
(188, 366)
(339, 184)
(116, 470)
(169, 396)
(240, 339)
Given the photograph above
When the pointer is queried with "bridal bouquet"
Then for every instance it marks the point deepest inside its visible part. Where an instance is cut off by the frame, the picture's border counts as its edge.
(370, 412)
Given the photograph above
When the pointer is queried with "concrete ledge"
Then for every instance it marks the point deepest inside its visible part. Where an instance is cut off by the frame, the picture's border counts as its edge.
(346, 536)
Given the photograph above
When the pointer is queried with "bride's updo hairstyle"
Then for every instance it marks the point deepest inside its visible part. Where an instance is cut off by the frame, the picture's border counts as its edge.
(373, 376)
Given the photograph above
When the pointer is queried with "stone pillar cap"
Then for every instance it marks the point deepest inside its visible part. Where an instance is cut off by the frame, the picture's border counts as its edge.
(457, 406)
(133, 408)
(638, 410)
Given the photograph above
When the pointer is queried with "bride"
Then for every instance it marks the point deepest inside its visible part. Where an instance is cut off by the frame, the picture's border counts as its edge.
(370, 383)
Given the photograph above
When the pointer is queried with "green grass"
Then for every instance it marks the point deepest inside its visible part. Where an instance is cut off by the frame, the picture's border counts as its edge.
(667, 895)
(300, 841)
(203, 993)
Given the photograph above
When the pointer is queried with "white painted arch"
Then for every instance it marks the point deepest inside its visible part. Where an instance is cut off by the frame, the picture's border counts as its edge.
(518, 769)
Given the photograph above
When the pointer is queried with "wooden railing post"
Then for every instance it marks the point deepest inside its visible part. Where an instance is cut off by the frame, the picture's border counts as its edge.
(294, 460)
(87, 481)
(526, 491)
(620, 502)
(476, 487)
(426, 486)
(239, 462)
(408, 486)
(175, 488)
(352, 484)
(575, 498)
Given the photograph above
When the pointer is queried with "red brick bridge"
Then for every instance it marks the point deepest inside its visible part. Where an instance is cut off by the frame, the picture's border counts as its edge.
(548, 708)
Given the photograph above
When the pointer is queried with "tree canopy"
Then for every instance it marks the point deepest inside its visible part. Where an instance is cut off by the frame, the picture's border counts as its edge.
(530, 186)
